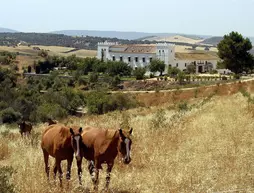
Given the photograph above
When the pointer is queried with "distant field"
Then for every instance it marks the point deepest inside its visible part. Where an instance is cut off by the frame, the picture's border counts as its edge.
(186, 49)
(52, 50)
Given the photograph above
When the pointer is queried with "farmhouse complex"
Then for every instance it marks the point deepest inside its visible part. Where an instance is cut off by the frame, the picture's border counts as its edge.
(140, 55)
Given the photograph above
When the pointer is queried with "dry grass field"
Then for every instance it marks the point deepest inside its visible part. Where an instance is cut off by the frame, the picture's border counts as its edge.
(52, 50)
(205, 147)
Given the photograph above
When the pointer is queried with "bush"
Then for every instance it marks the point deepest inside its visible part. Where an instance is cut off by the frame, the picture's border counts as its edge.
(172, 72)
(237, 76)
(183, 106)
(100, 102)
(151, 75)
(191, 69)
(47, 110)
(224, 78)
(116, 80)
(139, 73)
(5, 174)
(9, 115)
(93, 77)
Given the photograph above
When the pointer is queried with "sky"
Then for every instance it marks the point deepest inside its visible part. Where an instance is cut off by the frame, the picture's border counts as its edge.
(202, 17)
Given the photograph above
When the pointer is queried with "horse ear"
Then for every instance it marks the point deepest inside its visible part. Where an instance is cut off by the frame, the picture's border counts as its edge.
(71, 130)
(121, 133)
(130, 132)
(80, 130)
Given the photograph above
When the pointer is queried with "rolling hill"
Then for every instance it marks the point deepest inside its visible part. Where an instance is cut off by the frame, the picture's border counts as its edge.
(122, 35)
(176, 39)
(2, 30)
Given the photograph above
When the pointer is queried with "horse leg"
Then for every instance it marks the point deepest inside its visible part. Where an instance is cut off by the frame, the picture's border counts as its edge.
(94, 172)
(55, 171)
(79, 164)
(109, 168)
(69, 163)
(46, 161)
(58, 165)
(95, 175)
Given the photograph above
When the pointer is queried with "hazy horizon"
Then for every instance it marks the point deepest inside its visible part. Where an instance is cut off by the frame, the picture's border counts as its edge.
(213, 18)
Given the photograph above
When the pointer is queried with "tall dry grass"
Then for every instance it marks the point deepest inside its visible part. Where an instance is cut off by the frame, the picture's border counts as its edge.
(208, 148)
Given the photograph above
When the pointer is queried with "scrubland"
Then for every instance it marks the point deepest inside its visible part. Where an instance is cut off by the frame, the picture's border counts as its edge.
(205, 145)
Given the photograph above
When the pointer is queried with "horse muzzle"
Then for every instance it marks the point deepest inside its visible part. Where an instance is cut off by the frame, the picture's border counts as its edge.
(126, 160)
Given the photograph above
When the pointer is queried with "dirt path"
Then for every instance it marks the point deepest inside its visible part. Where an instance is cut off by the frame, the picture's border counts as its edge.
(183, 89)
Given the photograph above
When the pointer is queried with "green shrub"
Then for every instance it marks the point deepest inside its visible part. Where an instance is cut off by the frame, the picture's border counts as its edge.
(100, 102)
(47, 110)
(139, 73)
(9, 115)
(6, 173)
(151, 75)
(224, 78)
(116, 80)
(93, 77)
(237, 76)
(183, 106)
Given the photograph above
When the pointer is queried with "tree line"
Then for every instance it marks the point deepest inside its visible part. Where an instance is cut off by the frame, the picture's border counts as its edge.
(80, 42)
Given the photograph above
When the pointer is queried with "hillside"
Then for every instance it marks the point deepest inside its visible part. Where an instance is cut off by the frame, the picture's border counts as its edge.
(47, 39)
(213, 40)
(121, 35)
(176, 39)
(2, 30)
(205, 147)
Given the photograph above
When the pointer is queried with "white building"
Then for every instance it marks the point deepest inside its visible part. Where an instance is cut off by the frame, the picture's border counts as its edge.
(140, 55)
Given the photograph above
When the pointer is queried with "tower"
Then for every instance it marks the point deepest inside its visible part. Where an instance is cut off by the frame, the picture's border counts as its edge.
(165, 52)
(103, 50)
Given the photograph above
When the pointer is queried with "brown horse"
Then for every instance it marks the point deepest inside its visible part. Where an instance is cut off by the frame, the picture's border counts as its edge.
(62, 142)
(102, 146)
(51, 122)
(25, 128)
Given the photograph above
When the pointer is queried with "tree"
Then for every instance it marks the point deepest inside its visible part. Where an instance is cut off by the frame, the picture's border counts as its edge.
(139, 73)
(234, 51)
(191, 69)
(157, 66)
(118, 68)
(172, 72)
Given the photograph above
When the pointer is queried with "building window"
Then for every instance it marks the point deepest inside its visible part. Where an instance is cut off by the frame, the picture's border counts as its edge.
(144, 59)
(169, 65)
(185, 64)
(136, 59)
(114, 58)
(121, 58)
(129, 59)
(176, 64)
(159, 52)
(151, 59)
(163, 51)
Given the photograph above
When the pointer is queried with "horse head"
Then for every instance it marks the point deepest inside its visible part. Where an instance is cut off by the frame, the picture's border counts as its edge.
(124, 146)
(76, 143)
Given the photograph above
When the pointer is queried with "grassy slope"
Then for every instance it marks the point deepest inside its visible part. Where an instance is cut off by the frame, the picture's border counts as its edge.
(206, 149)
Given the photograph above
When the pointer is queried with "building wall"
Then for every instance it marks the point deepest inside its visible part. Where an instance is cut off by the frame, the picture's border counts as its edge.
(132, 57)
(182, 64)
(165, 52)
